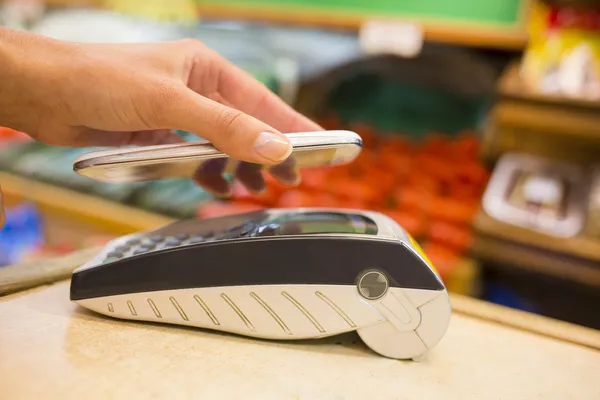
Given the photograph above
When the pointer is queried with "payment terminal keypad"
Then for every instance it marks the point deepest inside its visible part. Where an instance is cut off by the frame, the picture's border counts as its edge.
(142, 245)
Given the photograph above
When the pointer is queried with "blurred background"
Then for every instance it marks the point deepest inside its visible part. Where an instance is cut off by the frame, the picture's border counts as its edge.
(480, 120)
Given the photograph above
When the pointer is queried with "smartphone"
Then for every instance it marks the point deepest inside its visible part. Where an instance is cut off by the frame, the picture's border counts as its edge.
(182, 160)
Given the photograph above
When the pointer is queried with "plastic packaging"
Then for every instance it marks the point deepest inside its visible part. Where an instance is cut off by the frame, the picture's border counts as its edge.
(538, 194)
(563, 54)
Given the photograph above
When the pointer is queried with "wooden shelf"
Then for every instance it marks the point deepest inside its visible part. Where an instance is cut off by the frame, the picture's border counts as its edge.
(549, 126)
(578, 246)
(511, 86)
(110, 216)
(557, 119)
(576, 259)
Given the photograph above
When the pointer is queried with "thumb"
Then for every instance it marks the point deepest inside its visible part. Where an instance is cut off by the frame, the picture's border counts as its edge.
(233, 132)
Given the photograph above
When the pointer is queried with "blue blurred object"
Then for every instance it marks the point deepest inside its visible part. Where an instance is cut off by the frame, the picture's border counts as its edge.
(21, 234)
(501, 294)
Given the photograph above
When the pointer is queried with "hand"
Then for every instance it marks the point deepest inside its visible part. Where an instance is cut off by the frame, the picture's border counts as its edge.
(78, 95)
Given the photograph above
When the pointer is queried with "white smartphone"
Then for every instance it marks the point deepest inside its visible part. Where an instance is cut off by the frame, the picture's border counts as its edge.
(310, 149)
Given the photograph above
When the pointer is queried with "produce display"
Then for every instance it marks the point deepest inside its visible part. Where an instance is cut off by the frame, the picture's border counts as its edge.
(432, 188)
(10, 135)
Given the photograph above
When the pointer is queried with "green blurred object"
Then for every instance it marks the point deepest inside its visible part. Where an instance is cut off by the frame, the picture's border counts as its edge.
(444, 89)
(407, 108)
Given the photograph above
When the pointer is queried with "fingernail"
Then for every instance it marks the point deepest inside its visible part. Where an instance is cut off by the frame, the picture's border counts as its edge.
(257, 190)
(221, 195)
(293, 181)
(289, 178)
(272, 146)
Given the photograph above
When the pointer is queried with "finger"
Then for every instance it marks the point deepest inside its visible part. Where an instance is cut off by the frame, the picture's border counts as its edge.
(148, 138)
(250, 175)
(209, 175)
(239, 135)
(247, 94)
(286, 172)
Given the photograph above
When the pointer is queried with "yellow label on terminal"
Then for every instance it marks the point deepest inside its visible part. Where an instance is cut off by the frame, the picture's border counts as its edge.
(422, 253)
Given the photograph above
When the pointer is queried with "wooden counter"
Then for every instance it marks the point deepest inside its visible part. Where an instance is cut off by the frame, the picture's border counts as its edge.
(52, 349)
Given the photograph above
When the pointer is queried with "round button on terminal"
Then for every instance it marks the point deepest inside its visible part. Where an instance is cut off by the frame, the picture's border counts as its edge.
(372, 284)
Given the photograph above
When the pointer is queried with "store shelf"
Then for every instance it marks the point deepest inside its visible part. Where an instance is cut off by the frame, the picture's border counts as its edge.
(576, 259)
(554, 127)
(58, 202)
(521, 108)
(578, 246)
(481, 34)
(552, 119)
(510, 85)
(486, 34)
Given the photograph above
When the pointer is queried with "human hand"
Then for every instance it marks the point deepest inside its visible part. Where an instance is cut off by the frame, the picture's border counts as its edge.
(79, 95)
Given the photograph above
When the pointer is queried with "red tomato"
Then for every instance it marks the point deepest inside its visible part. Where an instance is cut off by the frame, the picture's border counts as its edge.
(384, 182)
(434, 166)
(216, 208)
(412, 221)
(471, 173)
(367, 133)
(454, 236)
(325, 200)
(444, 259)
(466, 146)
(464, 192)
(424, 182)
(435, 144)
(338, 173)
(412, 197)
(452, 210)
(399, 164)
(397, 144)
(295, 198)
(356, 190)
(352, 204)
(364, 161)
(315, 179)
